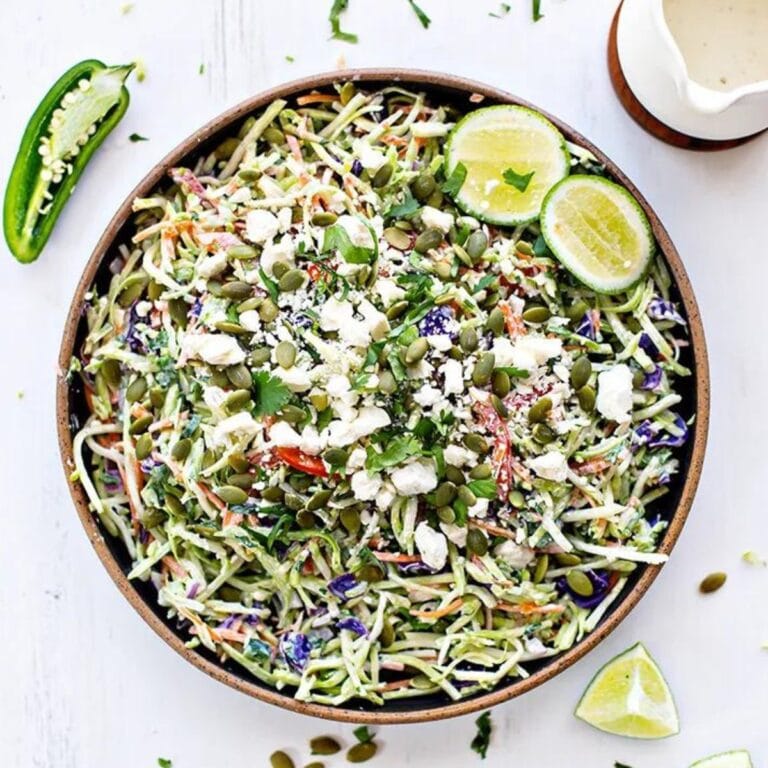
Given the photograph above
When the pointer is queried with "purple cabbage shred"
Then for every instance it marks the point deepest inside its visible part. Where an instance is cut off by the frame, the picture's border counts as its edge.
(341, 585)
(659, 309)
(600, 584)
(646, 344)
(589, 325)
(653, 379)
(353, 625)
(295, 649)
(437, 322)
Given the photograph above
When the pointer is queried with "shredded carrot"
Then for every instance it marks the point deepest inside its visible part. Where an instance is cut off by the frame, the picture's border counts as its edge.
(512, 320)
(494, 529)
(440, 612)
(529, 609)
(230, 518)
(212, 497)
(316, 98)
(396, 684)
(293, 145)
(393, 557)
(174, 566)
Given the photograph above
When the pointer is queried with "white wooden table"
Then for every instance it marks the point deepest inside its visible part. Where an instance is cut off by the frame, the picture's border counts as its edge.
(83, 682)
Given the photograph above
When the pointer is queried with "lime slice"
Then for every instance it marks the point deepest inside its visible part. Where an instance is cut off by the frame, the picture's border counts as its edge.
(738, 758)
(629, 697)
(493, 140)
(598, 232)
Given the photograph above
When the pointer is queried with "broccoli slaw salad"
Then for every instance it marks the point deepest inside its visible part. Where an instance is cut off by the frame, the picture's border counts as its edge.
(363, 439)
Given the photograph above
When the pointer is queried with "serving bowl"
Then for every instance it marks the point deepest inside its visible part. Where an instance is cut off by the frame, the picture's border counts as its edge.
(72, 411)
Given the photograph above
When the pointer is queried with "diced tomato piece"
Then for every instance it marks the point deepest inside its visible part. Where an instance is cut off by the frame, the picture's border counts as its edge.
(297, 459)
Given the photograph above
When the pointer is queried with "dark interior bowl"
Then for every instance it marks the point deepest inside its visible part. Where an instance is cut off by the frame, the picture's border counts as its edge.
(72, 411)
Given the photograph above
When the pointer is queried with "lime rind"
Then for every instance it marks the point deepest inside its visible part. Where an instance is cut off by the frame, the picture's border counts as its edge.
(630, 697)
(614, 246)
(484, 194)
(737, 758)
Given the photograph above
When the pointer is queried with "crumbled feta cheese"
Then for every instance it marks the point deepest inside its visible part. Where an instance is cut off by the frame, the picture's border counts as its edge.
(143, 308)
(335, 314)
(365, 486)
(238, 427)
(534, 648)
(376, 322)
(277, 252)
(250, 320)
(453, 377)
(540, 348)
(551, 466)
(389, 291)
(282, 434)
(385, 496)
(514, 554)
(369, 419)
(357, 230)
(417, 477)
(285, 219)
(427, 396)
(215, 349)
(370, 158)
(458, 456)
(214, 398)
(357, 458)
(614, 393)
(261, 226)
(457, 534)
(212, 265)
(295, 378)
(311, 441)
(441, 342)
(340, 434)
(432, 217)
(432, 545)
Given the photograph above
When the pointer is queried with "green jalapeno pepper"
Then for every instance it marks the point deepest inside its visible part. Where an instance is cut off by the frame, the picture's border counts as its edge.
(75, 116)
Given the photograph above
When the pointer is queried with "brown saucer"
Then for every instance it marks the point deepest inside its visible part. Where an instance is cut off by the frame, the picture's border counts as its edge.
(645, 119)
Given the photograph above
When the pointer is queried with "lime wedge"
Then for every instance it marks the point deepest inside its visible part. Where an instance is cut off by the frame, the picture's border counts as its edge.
(629, 697)
(738, 758)
(598, 232)
(493, 140)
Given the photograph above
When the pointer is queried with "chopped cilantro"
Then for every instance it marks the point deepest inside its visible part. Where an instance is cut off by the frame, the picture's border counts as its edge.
(515, 373)
(201, 69)
(519, 181)
(269, 393)
(362, 734)
(134, 137)
(536, 8)
(423, 18)
(483, 736)
(283, 522)
(338, 7)
(620, 765)
(269, 284)
(164, 762)
(403, 210)
(399, 449)
(504, 9)
(483, 489)
(337, 239)
(454, 182)
(289, 58)
(540, 247)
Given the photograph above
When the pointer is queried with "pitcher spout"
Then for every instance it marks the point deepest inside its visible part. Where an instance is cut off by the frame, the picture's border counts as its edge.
(703, 100)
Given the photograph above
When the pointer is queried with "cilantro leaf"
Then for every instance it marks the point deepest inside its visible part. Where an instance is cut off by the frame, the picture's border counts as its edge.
(423, 18)
(483, 489)
(362, 734)
(403, 210)
(283, 522)
(399, 449)
(482, 738)
(164, 762)
(537, 14)
(454, 182)
(134, 137)
(269, 393)
(338, 7)
(519, 181)
(337, 239)
(540, 247)
(201, 69)
(504, 9)
(510, 370)
(620, 765)
(269, 284)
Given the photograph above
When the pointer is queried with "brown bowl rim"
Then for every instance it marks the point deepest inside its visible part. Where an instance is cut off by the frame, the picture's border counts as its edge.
(420, 79)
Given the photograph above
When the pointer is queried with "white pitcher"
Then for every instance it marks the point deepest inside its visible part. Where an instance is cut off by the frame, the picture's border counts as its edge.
(658, 44)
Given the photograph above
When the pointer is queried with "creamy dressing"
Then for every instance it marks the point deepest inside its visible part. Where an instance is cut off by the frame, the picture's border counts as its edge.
(724, 42)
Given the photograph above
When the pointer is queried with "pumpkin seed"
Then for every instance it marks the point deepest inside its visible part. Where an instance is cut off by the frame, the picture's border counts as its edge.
(244, 481)
(713, 582)
(477, 543)
(324, 745)
(567, 559)
(319, 401)
(268, 310)
(285, 354)
(445, 494)
(370, 573)
(423, 186)
(292, 280)
(387, 636)
(525, 248)
(154, 290)
(536, 314)
(468, 339)
(243, 252)
(336, 457)
(141, 424)
(238, 462)
(227, 326)
(581, 371)
(207, 459)
(319, 499)
(495, 322)
(212, 286)
(542, 566)
(280, 760)
(500, 383)
(387, 383)
(427, 240)
(587, 397)
(446, 515)
(239, 376)
(175, 507)
(481, 472)
(136, 390)
(466, 495)
(132, 289)
(143, 446)
(306, 519)
(382, 176)
(350, 519)
(443, 270)
(580, 583)
(499, 407)
(397, 309)
(476, 443)
(293, 501)
(157, 397)
(253, 303)
(577, 310)
(231, 494)
(181, 449)
(273, 493)
(397, 238)
(543, 433)
(237, 400)
(454, 474)
(260, 355)
(540, 410)
(279, 269)
(219, 378)
(315, 764)
(293, 414)
(274, 135)
(476, 245)
(361, 753)
(483, 370)
(226, 149)
(416, 350)
(249, 175)
(324, 219)
(110, 369)
(237, 289)
(436, 198)
(152, 517)
(346, 93)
